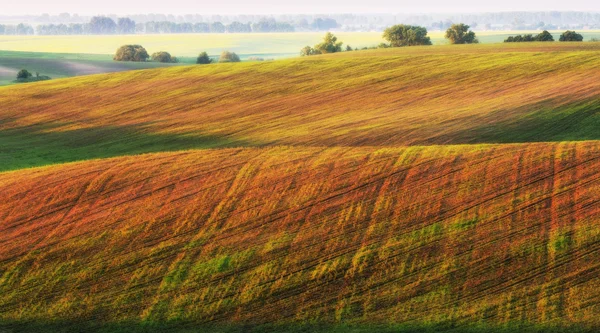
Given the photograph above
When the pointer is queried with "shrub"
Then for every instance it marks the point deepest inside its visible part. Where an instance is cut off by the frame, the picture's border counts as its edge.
(131, 53)
(203, 59)
(163, 57)
(460, 34)
(406, 35)
(227, 56)
(23, 74)
(571, 36)
(307, 51)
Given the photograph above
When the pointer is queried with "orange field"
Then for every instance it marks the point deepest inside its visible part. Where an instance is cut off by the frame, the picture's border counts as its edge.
(387, 188)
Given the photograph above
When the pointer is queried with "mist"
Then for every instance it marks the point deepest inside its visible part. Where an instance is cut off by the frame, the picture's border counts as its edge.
(233, 7)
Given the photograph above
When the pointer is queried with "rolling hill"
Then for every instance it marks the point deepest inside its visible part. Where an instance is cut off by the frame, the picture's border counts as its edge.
(441, 95)
(450, 188)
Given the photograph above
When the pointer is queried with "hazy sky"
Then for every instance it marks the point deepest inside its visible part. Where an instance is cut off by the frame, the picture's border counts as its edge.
(119, 7)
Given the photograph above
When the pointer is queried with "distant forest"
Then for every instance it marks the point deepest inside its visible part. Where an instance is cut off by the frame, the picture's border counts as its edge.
(73, 24)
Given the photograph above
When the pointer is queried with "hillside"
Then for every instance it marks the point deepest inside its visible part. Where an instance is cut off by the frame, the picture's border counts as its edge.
(424, 189)
(414, 96)
(59, 65)
(365, 235)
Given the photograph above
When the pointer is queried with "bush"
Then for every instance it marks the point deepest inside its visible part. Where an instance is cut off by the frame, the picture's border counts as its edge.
(571, 36)
(131, 53)
(406, 35)
(203, 59)
(163, 57)
(460, 34)
(23, 74)
(227, 56)
(307, 51)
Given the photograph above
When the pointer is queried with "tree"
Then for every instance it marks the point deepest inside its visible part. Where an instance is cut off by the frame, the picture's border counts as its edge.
(24, 29)
(349, 48)
(217, 27)
(238, 27)
(324, 24)
(125, 25)
(460, 34)
(406, 35)
(227, 56)
(571, 36)
(102, 25)
(203, 58)
(163, 56)
(329, 44)
(23, 74)
(307, 51)
(131, 53)
(544, 36)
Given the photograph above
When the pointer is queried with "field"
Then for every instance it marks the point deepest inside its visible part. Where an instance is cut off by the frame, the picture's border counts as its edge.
(424, 189)
(60, 65)
(267, 45)
(67, 56)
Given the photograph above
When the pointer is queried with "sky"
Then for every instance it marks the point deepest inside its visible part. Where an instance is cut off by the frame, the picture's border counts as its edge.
(232, 7)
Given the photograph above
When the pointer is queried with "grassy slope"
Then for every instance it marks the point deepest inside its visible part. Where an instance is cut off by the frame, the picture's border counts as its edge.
(59, 65)
(329, 229)
(421, 235)
(416, 96)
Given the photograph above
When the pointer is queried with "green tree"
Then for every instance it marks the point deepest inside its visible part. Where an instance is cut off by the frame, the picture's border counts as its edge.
(307, 51)
(23, 74)
(227, 56)
(203, 58)
(163, 56)
(125, 25)
(329, 44)
(571, 36)
(406, 35)
(544, 36)
(131, 53)
(460, 34)
(102, 25)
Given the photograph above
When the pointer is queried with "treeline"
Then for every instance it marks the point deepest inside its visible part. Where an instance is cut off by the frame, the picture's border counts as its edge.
(165, 27)
(399, 35)
(545, 36)
(19, 29)
(542, 20)
(107, 26)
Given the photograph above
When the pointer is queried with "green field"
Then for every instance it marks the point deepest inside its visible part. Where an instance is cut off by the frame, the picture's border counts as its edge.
(60, 65)
(268, 45)
(445, 188)
(66, 56)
